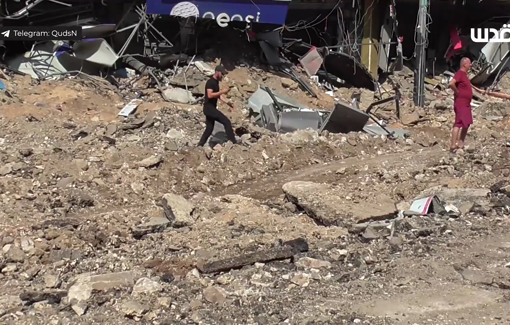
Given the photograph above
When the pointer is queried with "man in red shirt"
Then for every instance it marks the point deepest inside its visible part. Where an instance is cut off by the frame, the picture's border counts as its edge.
(463, 94)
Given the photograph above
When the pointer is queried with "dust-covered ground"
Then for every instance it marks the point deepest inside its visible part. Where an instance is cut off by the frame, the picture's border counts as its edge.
(88, 237)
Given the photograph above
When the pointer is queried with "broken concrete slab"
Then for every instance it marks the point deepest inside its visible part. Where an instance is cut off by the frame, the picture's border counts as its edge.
(321, 203)
(156, 224)
(477, 277)
(287, 250)
(458, 196)
(52, 296)
(150, 162)
(428, 302)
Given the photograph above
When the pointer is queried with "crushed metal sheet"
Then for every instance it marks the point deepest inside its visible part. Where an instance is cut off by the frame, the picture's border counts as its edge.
(271, 53)
(311, 61)
(345, 119)
(299, 120)
(273, 38)
(261, 98)
(98, 31)
(96, 51)
(130, 107)
(374, 129)
(269, 118)
(44, 62)
(427, 205)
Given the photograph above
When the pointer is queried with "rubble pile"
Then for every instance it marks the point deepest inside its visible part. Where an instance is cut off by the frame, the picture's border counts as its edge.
(338, 205)
(109, 219)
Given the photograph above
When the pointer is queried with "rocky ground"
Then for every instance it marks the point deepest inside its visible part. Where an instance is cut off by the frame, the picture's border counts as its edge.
(116, 221)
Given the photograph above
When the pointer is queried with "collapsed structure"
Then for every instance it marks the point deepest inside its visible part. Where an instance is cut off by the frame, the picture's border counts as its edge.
(337, 44)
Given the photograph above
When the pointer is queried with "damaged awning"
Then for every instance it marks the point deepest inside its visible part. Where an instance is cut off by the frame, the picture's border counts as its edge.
(265, 11)
(340, 65)
(50, 59)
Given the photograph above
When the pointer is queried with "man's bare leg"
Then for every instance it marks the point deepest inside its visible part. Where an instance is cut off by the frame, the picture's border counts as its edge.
(455, 137)
(462, 137)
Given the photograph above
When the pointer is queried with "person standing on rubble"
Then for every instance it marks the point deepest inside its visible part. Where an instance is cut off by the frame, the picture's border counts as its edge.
(211, 112)
(461, 86)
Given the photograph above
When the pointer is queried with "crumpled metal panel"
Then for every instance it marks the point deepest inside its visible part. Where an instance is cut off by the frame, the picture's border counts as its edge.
(344, 119)
(261, 98)
(298, 120)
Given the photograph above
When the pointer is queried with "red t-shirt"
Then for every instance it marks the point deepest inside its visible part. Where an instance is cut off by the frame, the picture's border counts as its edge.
(463, 84)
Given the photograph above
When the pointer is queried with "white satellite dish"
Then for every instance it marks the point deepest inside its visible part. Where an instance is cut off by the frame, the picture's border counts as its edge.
(185, 9)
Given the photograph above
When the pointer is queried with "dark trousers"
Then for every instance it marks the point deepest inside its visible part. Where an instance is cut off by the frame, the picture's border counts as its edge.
(213, 115)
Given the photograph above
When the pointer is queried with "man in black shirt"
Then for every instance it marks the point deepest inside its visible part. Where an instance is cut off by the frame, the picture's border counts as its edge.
(211, 112)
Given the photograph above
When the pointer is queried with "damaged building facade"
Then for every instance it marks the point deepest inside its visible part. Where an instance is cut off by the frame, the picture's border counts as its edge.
(357, 44)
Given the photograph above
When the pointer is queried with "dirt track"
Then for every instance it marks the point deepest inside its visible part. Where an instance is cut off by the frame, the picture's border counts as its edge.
(268, 187)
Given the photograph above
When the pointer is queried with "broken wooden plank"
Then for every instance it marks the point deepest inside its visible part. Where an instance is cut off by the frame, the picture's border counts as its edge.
(287, 250)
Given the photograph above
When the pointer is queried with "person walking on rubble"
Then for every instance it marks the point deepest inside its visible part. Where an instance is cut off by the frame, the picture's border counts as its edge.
(463, 94)
(211, 112)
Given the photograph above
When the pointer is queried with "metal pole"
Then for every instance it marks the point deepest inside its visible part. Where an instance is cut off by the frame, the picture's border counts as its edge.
(421, 46)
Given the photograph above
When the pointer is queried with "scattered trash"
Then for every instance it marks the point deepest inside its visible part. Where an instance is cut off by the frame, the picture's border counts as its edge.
(427, 205)
(130, 107)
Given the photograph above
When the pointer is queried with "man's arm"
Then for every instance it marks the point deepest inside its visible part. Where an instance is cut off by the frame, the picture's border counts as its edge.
(453, 86)
(226, 101)
(211, 94)
(223, 99)
(479, 90)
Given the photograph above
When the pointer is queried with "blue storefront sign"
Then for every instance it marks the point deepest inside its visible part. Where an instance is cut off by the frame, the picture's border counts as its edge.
(257, 11)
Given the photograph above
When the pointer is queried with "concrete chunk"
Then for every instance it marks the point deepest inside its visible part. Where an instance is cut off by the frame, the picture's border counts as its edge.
(134, 309)
(146, 285)
(287, 250)
(83, 287)
(321, 203)
(181, 209)
(108, 281)
(312, 263)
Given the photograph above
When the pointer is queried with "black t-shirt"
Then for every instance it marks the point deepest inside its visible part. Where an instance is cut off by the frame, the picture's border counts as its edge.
(215, 86)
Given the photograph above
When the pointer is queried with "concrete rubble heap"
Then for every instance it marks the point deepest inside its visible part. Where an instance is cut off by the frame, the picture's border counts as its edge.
(340, 204)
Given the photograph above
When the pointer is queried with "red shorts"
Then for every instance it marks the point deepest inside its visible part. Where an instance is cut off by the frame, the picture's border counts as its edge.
(463, 117)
